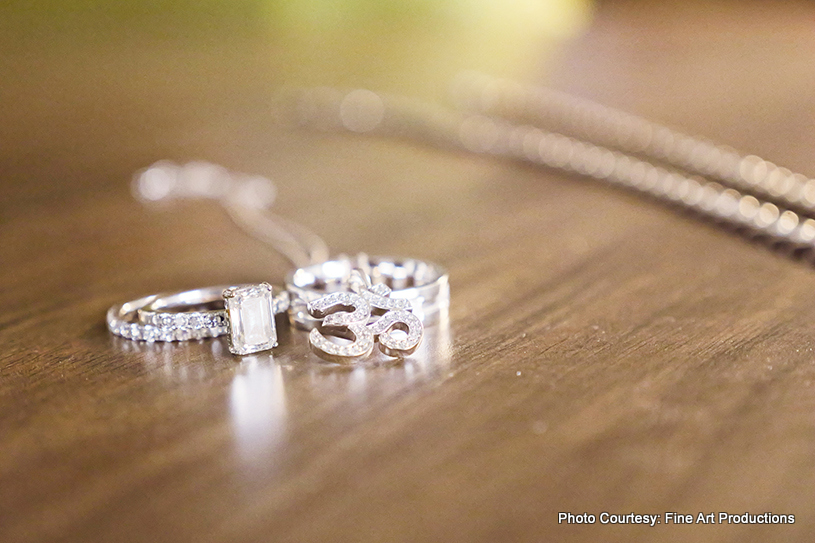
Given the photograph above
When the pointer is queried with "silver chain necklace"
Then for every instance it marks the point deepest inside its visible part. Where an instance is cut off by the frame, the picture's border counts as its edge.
(507, 119)
(493, 117)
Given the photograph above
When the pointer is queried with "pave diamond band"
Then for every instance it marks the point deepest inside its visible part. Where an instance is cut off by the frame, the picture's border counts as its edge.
(174, 311)
(121, 322)
(182, 316)
(203, 323)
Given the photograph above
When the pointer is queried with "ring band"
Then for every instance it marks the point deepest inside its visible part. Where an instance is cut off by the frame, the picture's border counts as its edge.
(173, 310)
(246, 317)
(424, 284)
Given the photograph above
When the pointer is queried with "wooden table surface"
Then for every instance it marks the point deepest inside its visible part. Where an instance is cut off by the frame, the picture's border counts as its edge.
(603, 353)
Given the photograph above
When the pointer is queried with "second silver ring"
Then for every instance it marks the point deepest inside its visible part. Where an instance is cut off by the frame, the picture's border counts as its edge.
(424, 284)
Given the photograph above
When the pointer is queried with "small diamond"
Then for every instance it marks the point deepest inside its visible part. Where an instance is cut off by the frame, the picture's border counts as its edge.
(165, 320)
(166, 334)
(150, 334)
(381, 289)
(181, 320)
(196, 321)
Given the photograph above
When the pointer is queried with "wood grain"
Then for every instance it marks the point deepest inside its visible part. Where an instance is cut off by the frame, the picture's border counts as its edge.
(602, 353)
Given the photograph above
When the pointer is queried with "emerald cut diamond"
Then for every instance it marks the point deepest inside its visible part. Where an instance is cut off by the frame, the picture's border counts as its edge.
(250, 312)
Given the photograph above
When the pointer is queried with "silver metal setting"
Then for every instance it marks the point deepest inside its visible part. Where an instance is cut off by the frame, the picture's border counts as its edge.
(373, 317)
(422, 285)
(180, 316)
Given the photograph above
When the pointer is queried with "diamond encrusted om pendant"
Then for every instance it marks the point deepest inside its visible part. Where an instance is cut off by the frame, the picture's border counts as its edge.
(359, 326)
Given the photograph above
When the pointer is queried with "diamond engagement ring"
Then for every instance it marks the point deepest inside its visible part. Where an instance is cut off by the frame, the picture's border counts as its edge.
(243, 313)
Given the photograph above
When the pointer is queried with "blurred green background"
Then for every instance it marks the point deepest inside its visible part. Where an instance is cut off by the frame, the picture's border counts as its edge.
(408, 46)
(92, 90)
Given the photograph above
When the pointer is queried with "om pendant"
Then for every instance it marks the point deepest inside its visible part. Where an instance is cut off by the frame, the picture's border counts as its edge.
(364, 317)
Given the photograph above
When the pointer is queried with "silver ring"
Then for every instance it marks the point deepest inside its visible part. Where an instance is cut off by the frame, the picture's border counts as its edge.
(244, 313)
(424, 284)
